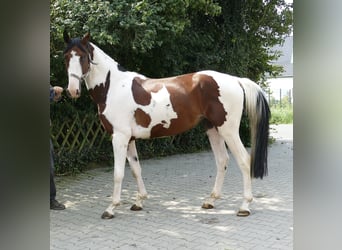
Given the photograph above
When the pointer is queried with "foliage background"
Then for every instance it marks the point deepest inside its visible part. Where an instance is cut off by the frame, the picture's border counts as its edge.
(164, 38)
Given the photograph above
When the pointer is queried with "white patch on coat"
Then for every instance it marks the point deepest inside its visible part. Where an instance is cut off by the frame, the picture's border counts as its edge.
(160, 108)
(160, 111)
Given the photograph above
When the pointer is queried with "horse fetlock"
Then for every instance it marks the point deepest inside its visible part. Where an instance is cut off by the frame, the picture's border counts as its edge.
(215, 195)
(244, 209)
(249, 199)
(115, 203)
(142, 196)
(139, 202)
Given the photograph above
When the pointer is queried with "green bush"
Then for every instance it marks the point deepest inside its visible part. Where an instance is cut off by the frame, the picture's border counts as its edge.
(74, 162)
(194, 140)
(281, 115)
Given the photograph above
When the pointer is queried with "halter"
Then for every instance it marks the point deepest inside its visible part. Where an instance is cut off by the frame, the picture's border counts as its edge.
(83, 76)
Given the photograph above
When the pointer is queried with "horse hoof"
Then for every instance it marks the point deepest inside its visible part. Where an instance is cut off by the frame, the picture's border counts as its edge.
(136, 208)
(107, 215)
(243, 213)
(207, 206)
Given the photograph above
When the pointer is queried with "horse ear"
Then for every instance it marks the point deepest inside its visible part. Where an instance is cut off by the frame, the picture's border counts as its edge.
(85, 38)
(66, 37)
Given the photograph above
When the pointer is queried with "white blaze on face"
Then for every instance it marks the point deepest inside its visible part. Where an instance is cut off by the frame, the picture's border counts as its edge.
(74, 69)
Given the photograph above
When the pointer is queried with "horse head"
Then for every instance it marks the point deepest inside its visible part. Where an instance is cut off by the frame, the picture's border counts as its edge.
(78, 57)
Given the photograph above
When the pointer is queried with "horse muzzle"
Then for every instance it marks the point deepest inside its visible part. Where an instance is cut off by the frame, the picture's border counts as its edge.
(74, 87)
(73, 93)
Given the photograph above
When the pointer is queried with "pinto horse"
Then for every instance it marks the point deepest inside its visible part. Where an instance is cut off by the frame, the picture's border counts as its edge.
(133, 106)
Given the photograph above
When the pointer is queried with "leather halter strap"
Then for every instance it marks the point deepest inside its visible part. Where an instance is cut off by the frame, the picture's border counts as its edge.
(82, 77)
(77, 77)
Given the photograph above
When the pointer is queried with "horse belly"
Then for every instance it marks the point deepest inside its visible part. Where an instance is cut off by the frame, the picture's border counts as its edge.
(177, 126)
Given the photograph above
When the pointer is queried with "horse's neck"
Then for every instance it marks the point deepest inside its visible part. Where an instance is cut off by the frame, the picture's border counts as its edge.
(99, 70)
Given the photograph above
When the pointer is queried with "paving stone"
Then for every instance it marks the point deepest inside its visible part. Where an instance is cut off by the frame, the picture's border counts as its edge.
(172, 217)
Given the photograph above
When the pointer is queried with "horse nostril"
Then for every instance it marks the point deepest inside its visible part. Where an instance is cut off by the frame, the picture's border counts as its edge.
(77, 92)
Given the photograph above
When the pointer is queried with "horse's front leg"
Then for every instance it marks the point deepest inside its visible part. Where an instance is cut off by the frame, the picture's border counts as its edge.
(132, 157)
(120, 144)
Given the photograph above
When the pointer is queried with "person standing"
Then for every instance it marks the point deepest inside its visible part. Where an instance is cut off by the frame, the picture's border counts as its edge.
(55, 95)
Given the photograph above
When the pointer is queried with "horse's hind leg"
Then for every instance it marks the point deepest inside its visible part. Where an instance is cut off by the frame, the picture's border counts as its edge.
(133, 160)
(232, 138)
(221, 157)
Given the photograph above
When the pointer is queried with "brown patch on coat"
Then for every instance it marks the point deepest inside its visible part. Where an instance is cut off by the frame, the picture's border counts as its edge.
(99, 96)
(185, 103)
(67, 57)
(213, 109)
(91, 51)
(99, 93)
(140, 95)
(193, 97)
(85, 63)
(106, 124)
(142, 118)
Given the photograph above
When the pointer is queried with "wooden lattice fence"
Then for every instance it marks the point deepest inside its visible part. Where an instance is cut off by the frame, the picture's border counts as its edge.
(78, 134)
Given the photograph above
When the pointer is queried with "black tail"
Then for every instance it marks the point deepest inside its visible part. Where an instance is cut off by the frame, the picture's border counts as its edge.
(259, 115)
(259, 163)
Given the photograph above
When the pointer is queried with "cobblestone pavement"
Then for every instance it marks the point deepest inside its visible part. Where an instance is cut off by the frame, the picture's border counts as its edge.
(172, 217)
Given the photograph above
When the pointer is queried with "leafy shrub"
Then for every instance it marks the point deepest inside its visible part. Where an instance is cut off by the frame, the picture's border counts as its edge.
(194, 140)
(75, 162)
(281, 115)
